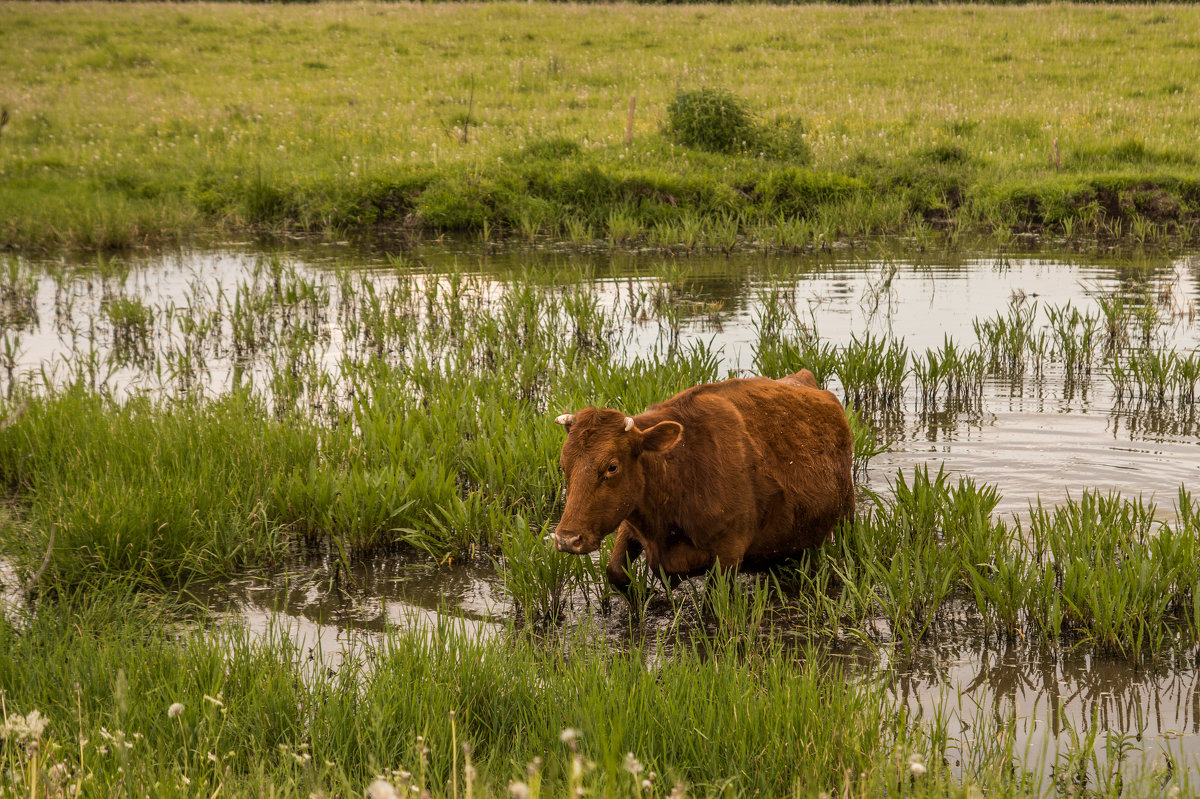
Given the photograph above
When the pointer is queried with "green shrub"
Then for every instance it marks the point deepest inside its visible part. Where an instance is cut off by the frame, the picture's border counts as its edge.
(721, 122)
(711, 119)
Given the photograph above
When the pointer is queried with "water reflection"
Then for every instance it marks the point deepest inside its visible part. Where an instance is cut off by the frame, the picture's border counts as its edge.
(1045, 432)
(330, 611)
(1056, 695)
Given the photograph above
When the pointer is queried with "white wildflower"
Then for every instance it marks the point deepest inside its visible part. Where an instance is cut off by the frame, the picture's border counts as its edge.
(24, 728)
(632, 765)
(570, 735)
(381, 789)
(916, 765)
(518, 790)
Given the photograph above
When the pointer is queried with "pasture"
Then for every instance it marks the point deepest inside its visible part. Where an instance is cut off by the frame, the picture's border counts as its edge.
(136, 123)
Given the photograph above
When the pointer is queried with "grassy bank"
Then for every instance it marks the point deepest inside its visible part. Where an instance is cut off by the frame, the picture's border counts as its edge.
(133, 708)
(136, 123)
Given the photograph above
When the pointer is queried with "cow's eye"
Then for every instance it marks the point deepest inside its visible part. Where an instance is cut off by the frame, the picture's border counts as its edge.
(612, 468)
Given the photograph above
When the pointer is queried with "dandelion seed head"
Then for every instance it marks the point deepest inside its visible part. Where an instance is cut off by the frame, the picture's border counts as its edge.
(24, 728)
(381, 789)
(175, 710)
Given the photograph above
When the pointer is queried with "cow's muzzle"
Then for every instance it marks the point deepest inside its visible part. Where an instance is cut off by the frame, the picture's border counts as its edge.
(573, 542)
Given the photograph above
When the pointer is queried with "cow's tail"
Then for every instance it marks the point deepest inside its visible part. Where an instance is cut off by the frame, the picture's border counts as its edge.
(802, 378)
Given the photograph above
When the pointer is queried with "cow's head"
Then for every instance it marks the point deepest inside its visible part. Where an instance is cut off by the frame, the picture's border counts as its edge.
(602, 461)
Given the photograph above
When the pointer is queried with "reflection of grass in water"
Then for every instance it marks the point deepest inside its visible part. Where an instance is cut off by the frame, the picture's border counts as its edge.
(453, 118)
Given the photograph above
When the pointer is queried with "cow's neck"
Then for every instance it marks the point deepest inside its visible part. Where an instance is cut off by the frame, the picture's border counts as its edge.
(655, 512)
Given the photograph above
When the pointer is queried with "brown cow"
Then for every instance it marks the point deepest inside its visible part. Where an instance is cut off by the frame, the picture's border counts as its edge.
(754, 469)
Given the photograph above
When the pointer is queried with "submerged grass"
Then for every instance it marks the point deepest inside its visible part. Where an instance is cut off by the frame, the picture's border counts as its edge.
(129, 123)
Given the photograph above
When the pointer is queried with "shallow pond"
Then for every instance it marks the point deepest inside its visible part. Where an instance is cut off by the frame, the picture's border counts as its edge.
(1039, 433)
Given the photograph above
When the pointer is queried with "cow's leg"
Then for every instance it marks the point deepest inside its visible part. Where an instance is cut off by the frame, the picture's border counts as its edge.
(626, 550)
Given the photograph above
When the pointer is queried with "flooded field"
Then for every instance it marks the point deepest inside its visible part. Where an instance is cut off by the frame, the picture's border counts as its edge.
(1046, 378)
(168, 325)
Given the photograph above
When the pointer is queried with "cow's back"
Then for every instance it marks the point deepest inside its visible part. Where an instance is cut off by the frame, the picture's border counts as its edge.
(794, 447)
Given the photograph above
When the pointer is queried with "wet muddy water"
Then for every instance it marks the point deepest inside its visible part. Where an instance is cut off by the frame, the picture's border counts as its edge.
(1038, 437)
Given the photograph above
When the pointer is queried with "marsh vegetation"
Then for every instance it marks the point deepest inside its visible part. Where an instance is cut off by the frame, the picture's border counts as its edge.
(169, 428)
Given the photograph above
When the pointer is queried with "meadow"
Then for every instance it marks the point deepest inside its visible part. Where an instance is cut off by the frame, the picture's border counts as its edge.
(144, 123)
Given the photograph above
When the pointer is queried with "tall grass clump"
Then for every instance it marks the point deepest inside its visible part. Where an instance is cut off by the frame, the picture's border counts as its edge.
(1076, 337)
(952, 372)
(718, 121)
(1011, 342)
(1099, 570)
(711, 119)
(1114, 574)
(541, 580)
(873, 371)
(154, 492)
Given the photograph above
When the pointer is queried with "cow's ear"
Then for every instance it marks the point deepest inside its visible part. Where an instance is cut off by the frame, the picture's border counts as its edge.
(661, 437)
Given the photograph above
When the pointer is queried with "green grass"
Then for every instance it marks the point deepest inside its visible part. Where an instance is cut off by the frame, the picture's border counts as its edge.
(463, 717)
(145, 122)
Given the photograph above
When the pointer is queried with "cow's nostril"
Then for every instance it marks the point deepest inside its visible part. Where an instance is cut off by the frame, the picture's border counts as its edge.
(566, 541)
